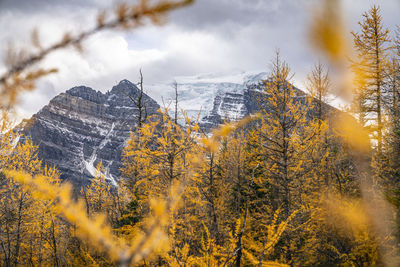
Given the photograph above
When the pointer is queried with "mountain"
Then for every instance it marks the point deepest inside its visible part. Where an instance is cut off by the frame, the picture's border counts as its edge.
(216, 98)
(81, 127)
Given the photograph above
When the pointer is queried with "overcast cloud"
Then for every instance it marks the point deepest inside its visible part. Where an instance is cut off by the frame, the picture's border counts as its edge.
(211, 36)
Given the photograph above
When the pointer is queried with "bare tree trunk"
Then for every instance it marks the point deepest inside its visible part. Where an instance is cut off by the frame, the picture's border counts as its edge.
(175, 85)
(139, 102)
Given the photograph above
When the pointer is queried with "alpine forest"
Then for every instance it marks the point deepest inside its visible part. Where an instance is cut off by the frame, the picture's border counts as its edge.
(264, 168)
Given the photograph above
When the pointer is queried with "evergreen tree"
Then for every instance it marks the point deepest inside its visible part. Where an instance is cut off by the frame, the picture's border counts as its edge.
(283, 138)
(372, 46)
(318, 85)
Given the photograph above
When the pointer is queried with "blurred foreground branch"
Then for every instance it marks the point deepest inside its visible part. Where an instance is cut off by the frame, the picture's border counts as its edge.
(19, 78)
(96, 230)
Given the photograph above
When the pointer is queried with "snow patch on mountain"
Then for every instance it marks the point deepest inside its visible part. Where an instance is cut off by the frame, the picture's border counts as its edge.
(89, 164)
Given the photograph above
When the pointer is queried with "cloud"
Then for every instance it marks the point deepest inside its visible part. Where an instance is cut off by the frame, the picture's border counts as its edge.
(107, 59)
(208, 37)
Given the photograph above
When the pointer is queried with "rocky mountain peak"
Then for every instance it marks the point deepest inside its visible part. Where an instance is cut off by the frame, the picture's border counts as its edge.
(124, 88)
(81, 127)
(86, 93)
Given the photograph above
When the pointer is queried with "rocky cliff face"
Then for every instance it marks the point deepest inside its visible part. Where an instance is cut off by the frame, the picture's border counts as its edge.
(81, 127)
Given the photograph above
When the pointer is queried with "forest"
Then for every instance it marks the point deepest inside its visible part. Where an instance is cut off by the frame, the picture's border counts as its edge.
(297, 184)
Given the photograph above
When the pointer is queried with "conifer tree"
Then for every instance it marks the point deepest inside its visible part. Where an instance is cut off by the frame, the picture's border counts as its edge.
(282, 144)
(392, 140)
(372, 46)
(318, 85)
(211, 186)
(164, 152)
(27, 225)
(283, 138)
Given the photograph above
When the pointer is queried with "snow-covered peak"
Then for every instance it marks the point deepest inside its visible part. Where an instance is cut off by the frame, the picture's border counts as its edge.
(255, 78)
(200, 93)
(242, 77)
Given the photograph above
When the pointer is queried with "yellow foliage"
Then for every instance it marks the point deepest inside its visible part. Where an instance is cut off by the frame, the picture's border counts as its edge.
(347, 214)
(251, 197)
(353, 133)
(96, 230)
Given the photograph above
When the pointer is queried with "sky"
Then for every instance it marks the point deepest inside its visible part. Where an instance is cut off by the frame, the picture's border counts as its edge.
(210, 36)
